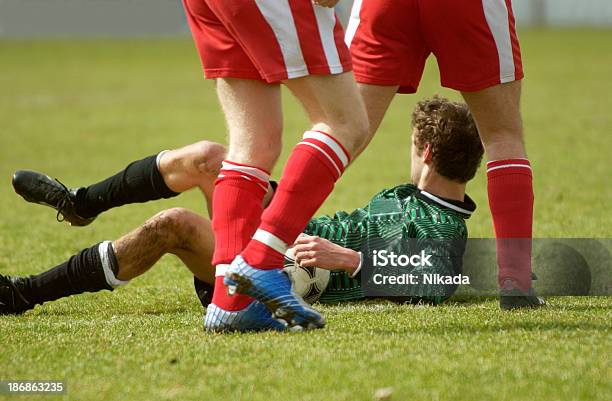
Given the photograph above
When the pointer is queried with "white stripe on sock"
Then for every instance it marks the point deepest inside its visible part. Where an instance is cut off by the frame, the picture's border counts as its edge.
(246, 177)
(252, 171)
(159, 157)
(324, 153)
(508, 165)
(331, 142)
(220, 270)
(501, 160)
(270, 240)
(103, 250)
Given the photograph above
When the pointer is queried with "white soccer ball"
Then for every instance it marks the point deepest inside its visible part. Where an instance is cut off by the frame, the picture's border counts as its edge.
(307, 282)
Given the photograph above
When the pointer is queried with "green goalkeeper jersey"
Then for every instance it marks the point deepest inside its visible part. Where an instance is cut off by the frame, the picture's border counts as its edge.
(402, 212)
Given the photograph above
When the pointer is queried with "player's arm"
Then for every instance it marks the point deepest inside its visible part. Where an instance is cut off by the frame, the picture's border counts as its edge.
(320, 252)
(313, 249)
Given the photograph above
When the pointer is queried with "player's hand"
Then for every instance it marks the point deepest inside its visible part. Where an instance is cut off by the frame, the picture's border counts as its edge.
(325, 3)
(319, 252)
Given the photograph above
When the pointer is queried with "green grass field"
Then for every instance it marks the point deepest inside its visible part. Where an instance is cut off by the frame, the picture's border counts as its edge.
(80, 110)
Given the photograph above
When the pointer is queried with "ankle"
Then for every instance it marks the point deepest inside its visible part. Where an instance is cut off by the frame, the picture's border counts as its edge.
(228, 302)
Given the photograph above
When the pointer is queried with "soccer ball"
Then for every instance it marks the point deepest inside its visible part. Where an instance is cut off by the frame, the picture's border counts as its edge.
(307, 282)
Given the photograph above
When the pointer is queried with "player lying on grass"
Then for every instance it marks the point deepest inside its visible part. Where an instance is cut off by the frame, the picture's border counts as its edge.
(446, 153)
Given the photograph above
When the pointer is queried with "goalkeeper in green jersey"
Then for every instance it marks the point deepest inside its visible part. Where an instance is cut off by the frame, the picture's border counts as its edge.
(446, 152)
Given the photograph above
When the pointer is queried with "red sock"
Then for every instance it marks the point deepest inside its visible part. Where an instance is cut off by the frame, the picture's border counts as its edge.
(511, 202)
(237, 208)
(313, 168)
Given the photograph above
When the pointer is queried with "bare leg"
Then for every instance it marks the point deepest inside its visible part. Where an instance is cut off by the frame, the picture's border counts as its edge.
(497, 114)
(254, 119)
(343, 117)
(339, 132)
(194, 165)
(155, 177)
(104, 267)
(510, 189)
(344, 123)
(176, 231)
(377, 99)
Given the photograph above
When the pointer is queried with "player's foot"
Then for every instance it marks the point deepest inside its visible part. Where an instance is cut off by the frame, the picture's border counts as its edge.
(12, 302)
(41, 189)
(255, 317)
(512, 297)
(273, 288)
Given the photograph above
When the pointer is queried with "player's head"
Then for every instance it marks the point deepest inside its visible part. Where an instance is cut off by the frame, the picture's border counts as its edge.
(445, 139)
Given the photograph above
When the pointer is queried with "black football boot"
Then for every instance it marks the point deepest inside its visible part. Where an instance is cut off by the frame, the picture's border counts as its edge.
(41, 189)
(511, 297)
(12, 302)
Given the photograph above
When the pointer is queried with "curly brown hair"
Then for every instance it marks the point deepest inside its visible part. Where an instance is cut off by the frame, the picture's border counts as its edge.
(450, 131)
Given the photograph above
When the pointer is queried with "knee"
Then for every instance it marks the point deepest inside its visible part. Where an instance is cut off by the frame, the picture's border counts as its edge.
(206, 158)
(172, 227)
(260, 153)
(353, 134)
(349, 125)
(187, 167)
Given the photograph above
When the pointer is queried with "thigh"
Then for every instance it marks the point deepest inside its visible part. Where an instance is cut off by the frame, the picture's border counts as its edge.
(386, 43)
(286, 39)
(221, 55)
(474, 42)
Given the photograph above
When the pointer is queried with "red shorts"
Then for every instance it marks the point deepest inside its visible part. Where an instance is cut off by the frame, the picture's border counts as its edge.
(474, 42)
(268, 40)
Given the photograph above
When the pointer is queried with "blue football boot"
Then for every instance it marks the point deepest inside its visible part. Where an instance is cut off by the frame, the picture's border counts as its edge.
(255, 317)
(272, 288)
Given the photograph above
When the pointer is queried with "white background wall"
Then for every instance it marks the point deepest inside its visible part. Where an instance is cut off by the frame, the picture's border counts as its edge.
(48, 18)
(564, 12)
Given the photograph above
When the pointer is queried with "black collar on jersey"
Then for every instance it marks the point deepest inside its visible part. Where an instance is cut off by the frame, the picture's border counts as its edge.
(465, 208)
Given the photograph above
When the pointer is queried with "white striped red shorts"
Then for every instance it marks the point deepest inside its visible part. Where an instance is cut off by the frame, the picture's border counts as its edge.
(474, 42)
(269, 40)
